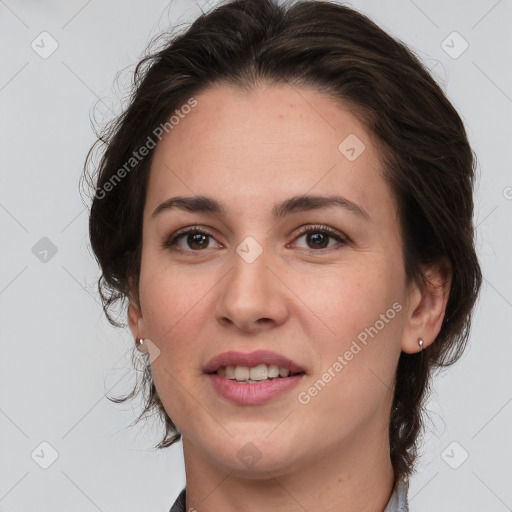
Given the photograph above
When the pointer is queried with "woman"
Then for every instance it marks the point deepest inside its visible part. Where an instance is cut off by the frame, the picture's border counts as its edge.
(286, 206)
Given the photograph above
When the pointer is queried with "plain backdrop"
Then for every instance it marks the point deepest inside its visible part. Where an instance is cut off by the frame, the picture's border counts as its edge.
(60, 356)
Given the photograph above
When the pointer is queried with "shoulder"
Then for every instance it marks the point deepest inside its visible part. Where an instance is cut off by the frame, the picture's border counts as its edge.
(399, 499)
(179, 504)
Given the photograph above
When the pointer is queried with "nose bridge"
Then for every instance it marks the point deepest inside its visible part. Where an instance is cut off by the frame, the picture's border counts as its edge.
(249, 275)
(251, 292)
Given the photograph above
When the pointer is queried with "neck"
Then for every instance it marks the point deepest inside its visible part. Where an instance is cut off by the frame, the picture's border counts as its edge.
(354, 477)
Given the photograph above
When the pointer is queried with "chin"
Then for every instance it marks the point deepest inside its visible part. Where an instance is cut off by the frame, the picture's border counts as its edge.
(255, 456)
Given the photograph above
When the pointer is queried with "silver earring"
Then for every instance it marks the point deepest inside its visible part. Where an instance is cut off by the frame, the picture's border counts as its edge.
(420, 343)
(140, 342)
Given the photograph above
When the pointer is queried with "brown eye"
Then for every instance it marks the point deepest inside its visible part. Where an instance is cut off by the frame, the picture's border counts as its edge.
(189, 240)
(318, 238)
(197, 240)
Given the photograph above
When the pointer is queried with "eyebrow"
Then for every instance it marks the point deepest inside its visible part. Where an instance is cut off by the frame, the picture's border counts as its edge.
(302, 203)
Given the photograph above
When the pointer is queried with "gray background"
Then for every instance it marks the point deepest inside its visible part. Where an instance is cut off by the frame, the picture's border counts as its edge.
(60, 356)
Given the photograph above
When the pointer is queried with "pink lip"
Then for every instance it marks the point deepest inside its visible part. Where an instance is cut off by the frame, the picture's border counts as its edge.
(252, 394)
(251, 359)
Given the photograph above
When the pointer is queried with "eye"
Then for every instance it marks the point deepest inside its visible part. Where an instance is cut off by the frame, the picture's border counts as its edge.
(195, 239)
(318, 237)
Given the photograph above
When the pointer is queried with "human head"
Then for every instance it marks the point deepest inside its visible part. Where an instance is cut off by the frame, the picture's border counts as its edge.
(427, 161)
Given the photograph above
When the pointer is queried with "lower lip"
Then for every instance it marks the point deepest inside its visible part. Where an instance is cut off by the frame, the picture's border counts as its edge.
(252, 394)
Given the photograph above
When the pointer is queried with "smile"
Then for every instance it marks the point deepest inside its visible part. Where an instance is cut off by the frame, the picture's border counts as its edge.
(259, 373)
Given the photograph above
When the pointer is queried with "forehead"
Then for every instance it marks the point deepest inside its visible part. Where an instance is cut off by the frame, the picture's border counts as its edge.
(264, 145)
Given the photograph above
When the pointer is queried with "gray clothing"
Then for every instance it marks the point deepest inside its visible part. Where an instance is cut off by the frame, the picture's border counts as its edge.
(397, 503)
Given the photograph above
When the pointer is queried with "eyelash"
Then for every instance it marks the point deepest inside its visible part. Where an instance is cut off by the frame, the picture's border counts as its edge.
(170, 242)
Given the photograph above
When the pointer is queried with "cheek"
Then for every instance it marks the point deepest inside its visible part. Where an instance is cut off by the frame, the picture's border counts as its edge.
(173, 319)
(347, 299)
(171, 298)
(359, 308)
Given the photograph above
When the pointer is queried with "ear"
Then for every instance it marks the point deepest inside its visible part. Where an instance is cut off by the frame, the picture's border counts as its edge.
(136, 322)
(427, 306)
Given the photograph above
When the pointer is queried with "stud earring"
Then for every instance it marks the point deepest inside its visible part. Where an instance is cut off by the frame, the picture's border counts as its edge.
(140, 342)
(420, 343)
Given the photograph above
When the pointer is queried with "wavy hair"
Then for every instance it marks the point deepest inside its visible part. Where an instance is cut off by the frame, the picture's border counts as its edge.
(427, 160)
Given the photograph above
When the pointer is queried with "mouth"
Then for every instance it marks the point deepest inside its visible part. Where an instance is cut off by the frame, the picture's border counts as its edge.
(254, 367)
(255, 374)
(253, 378)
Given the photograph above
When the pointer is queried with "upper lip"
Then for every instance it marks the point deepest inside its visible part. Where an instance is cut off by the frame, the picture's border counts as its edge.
(251, 359)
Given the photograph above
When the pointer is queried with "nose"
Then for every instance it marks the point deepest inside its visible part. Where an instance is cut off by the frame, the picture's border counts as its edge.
(254, 296)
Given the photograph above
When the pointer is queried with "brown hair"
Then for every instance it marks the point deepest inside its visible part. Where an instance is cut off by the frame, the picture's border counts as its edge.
(427, 159)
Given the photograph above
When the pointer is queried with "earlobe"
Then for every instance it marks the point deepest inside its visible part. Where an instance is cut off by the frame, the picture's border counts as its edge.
(135, 317)
(427, 307)
(136, 324)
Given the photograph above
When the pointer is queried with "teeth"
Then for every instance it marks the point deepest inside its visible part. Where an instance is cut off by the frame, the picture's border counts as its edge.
(259, 372)
(255, 374)
(241, 372)
(273, 371)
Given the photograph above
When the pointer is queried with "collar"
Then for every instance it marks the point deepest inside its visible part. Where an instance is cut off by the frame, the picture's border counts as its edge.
(397, 503)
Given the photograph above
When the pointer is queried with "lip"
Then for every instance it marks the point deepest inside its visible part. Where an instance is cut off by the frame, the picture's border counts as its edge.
(252, 394)
(250, 359)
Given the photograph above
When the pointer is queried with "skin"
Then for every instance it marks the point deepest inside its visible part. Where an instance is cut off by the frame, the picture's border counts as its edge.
(250, 150)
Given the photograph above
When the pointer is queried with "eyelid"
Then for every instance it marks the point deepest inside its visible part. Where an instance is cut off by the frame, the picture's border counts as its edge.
(341, 238)
(170, 241)
(325, 229)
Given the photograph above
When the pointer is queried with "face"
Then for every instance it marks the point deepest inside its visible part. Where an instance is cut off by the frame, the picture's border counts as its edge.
(320, 284)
